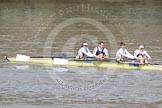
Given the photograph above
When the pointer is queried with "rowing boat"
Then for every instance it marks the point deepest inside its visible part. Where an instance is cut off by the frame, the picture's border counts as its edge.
(89, 63)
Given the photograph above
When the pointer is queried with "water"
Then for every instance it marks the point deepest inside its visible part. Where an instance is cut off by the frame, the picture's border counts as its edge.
(45, 28)
(36, 86)
(52, 27)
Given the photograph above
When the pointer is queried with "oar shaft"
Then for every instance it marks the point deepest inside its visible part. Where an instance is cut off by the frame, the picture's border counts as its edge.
(71, 57)
(50, 57)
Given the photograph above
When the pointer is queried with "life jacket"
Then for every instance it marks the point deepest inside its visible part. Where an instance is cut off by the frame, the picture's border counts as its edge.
(98, 52)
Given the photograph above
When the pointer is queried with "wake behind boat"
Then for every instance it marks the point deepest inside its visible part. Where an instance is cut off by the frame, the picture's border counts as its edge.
(109, 63)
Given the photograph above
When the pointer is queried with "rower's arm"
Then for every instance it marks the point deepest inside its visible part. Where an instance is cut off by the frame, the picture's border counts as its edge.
(106, 52)
(89, 54)
(128, 55)
(94, 51)
(147, 55)
(135, 53)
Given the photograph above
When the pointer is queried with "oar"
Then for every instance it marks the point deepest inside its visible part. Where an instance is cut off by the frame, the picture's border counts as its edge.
(109, 59)
(62, 55)
(25, 58)
(20, 57)
(154, 64)
(50, 57)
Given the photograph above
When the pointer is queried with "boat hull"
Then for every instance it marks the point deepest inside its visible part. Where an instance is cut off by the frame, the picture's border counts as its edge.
(99, 64)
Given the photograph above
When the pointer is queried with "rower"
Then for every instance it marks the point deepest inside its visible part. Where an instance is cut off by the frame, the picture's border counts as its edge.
(84, 52)
(122, 54)
(101, 52)
(142, 55)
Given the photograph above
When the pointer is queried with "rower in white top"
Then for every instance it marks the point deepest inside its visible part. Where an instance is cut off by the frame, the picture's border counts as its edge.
(84, 52)
(122, 54)
(142, 55)
(101, 52)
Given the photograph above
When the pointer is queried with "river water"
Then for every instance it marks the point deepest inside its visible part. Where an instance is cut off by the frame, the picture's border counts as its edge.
(53, 27)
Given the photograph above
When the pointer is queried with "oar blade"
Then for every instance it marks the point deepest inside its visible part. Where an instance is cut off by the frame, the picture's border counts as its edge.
(20, 57)
(60, 61)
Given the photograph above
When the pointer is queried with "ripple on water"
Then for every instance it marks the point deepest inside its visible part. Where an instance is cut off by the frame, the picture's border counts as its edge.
(33, 85)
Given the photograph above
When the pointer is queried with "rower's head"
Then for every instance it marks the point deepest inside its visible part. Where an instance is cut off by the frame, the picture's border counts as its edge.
(101, 44)
(141, 47)
(122, 44)
(84, 44)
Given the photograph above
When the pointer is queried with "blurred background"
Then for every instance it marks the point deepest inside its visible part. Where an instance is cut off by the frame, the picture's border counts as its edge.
(51, 27)
(26, 25)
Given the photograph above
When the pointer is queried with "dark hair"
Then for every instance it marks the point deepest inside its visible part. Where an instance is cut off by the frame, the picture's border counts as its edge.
(101, 42)
(122, 44)
(82, 43)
